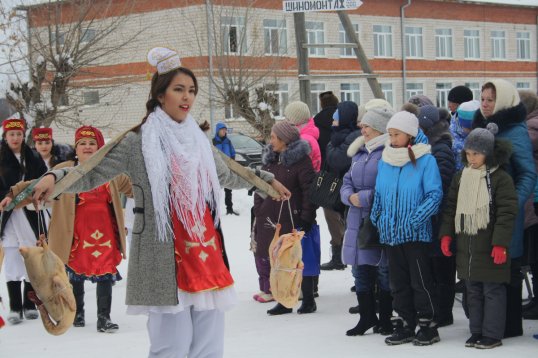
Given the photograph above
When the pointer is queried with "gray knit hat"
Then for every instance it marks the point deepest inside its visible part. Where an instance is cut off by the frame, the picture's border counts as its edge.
(428, 116)
(377, 118)
(482, 140)
(286, 132)
(297, 113)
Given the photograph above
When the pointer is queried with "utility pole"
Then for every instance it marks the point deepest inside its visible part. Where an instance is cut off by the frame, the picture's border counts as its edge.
(361, 55)
(302, 58)
(209, 19)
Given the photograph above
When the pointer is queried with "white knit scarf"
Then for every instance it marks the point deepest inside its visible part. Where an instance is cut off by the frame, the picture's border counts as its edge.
(181, 172)
(472, 209)
(399, 157)
(376, 142)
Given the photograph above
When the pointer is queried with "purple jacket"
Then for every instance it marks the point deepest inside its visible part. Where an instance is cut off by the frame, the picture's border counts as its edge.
(360, 179)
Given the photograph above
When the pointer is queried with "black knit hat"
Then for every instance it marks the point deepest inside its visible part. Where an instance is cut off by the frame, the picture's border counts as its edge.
(460, 94)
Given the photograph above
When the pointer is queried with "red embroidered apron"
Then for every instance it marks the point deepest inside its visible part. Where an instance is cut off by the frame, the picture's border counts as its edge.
(199, 263)
(95, 250)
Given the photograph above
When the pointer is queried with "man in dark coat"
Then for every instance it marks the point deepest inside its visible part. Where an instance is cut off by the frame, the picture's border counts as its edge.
(223, 143)
(324, 120)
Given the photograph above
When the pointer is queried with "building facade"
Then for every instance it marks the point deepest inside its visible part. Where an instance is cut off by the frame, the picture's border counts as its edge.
(425, 47)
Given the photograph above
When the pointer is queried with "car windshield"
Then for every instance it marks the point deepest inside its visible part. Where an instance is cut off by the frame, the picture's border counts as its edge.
(240, 141)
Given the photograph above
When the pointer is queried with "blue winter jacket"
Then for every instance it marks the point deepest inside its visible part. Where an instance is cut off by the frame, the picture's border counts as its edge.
(459, 135)
(406, 198)
(223, 144)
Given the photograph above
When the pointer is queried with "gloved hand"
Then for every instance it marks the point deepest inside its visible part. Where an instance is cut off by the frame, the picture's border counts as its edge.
(445, 245)
(305, 226)
(499, 254)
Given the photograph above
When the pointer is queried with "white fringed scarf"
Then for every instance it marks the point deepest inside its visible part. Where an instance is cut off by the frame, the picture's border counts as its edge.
(473, 201)
(399, 157)
(181, 172)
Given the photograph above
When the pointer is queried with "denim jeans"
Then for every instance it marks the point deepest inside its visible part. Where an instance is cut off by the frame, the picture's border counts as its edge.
(366, 276)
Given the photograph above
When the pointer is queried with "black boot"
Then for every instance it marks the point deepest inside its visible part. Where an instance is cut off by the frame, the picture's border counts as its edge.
(15, 302)
(531, 313)
(28, 307)
(278, 310)
(427, 334)
(336, 260)
(367, 311)
(316, 282)
(527, 306)
(385, 313)
(78, 292)
(307, 288)
(355, 309)
(514, 315)
(401, 334)
(104, 303)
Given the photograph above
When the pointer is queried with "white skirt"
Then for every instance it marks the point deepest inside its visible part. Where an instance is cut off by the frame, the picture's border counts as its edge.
(222, 300)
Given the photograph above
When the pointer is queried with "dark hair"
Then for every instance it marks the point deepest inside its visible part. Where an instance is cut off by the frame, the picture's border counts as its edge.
(489, 85)
(159, 84)
(410, 151)
(328, 99)
(4, 150)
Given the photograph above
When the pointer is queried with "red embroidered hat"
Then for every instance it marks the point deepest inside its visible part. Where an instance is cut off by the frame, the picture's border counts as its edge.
(13, 124)
(89, 132)
(41, 134)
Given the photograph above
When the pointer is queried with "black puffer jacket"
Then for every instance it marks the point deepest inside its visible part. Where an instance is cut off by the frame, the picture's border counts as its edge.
(342, 136)
(324, 120)
(11, 173)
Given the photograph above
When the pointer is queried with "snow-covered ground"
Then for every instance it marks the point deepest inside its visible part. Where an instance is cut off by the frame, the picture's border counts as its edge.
(249, 331)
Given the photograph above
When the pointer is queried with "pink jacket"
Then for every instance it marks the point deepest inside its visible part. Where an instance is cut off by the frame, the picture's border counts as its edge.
(310, 133)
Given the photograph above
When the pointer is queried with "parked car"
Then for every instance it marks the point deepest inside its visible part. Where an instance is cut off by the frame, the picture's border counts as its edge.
(248, 151)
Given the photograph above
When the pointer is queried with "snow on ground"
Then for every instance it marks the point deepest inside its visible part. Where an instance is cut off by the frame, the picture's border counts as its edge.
(249, 331)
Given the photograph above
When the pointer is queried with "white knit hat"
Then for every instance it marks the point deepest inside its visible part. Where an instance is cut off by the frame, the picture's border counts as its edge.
(164, 59)
(405, 122)
(297, 113)
(377, 118)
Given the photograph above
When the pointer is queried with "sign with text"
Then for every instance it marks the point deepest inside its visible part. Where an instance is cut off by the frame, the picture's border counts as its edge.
(319, 5)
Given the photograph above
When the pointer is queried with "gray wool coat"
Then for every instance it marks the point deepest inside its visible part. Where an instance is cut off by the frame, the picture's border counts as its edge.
(151, 269)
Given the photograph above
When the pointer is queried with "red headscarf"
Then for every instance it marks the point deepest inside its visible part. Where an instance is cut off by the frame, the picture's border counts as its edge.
(89, 132)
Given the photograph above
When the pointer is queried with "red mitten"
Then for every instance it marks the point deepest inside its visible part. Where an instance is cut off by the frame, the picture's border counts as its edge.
(499, 254)
(445, 245)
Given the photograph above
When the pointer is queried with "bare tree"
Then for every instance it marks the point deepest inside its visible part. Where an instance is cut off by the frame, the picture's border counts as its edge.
(247, 63)
(64, 41)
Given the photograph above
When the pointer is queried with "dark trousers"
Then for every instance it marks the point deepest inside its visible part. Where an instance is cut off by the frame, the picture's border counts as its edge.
(444, 273)
(514, 314)
(411, 282)
(486, 302)
(366, 277)
(336, 224)
(228, 199)
(263, 266)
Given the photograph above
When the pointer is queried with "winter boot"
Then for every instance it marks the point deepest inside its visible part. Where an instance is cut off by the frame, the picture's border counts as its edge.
(78, 292)
(278, 310)
(471, 342)
(104, 303)
(307, 288)
(336, 260)
(527, 306)
(488, 343)
(28, 306)
(367, 311)
(427, 334)
(355, 309)
(384, 326)
(531, 313)
(15, 302)
(401, 334)
(316, 282)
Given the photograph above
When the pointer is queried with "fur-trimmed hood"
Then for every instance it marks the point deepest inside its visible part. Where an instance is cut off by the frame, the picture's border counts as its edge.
(503, 118)
(501, 154)
(296, 151)
(439, 131)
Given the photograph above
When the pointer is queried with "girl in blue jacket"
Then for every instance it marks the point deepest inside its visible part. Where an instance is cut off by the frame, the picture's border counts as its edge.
(408, 192)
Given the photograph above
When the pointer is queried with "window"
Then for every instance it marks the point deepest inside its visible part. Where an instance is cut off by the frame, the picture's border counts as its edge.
(443, 43)
(88, 35)
(413, 42)
(472, 44)
(233, 34)
(523, 85)
(498, 47)
(412, 89)
(442, 90)
(275, 37)
(475, 88)
(387, 91)
(523, 40)
(91, 97)
(282, 95)
(350, 92)
(315, 34)
(229, 111)
(347, 52)
(315, 90)
(382, 41)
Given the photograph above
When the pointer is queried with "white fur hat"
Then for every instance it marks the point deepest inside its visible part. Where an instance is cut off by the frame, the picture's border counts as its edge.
(164, 59)
(405, 122)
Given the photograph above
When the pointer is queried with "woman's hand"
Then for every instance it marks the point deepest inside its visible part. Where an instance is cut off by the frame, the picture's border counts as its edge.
(354, 199)
(285, 194)
(43, 189)
(5, 202)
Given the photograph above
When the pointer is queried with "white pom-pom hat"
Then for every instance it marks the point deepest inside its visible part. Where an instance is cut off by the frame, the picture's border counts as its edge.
(164, 59)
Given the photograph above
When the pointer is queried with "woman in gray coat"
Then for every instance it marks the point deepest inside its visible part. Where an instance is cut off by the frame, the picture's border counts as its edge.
(178, 270)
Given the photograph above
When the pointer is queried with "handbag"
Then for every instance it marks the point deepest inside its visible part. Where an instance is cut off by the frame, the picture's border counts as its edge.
(325, 190)
(368, 235)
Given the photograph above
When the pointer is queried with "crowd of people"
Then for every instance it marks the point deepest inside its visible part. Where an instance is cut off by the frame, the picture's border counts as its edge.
(446, 194)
